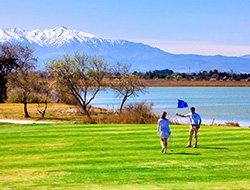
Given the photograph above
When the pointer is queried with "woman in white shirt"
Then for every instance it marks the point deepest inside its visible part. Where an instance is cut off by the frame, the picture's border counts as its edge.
(163, 127)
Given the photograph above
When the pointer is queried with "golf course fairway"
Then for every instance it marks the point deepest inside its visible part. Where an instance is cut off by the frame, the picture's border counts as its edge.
(76, 156)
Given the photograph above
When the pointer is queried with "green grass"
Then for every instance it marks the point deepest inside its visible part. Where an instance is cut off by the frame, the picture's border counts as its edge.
(74, 156)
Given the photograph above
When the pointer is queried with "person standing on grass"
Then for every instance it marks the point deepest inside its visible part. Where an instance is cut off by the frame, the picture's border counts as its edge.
(163, 127)
(195, 122)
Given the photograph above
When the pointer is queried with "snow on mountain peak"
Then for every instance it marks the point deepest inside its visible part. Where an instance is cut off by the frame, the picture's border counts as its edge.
(18, 31)
(55, 37)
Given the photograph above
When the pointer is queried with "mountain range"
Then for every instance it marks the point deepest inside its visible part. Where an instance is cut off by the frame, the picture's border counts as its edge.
(52, 43)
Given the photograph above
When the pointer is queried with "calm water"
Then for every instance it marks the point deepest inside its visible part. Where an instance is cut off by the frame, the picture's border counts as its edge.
(219, 103)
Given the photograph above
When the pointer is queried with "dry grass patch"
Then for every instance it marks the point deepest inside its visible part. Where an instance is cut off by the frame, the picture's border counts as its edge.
(56, 112)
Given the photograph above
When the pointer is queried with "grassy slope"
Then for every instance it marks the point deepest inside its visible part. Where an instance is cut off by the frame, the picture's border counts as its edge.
(73, 156)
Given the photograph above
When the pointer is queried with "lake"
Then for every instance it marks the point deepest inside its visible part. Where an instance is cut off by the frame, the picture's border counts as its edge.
(219, 103)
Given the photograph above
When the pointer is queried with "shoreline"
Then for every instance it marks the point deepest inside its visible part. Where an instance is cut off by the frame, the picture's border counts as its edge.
(14, 121)
(206, 123)
(182, 83)
(218, 122)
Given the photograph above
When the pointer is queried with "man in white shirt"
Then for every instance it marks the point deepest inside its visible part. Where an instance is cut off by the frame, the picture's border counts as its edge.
(195, 121)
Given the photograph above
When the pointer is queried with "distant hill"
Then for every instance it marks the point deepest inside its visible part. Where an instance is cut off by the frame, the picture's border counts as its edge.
(246, 56)
(52, 43)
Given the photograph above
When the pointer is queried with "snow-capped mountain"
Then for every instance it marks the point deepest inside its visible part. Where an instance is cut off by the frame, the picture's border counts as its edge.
(52, 43)
(55, 37)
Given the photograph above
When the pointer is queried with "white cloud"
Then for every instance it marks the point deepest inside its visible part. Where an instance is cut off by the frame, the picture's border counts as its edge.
(195, 47)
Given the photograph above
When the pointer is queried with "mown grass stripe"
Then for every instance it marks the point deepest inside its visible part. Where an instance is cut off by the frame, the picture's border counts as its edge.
(75, 156)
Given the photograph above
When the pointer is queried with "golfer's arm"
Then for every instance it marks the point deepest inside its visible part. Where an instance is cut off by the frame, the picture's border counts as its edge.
(181, 115)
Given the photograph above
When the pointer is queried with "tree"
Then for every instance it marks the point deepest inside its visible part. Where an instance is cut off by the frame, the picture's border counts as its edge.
(23, 83)
(81, 75)
(21, 80)
(23, 55)
(7, 65)
(43, 87)
(127, 85)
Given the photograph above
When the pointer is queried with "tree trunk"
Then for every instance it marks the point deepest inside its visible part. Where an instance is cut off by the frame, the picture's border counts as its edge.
(46, 105)
(25, 107)
(123, 101)
(3, 90)
(82, 104)
(1, 95)
(86, 111)
(44, 111)
(5, 94)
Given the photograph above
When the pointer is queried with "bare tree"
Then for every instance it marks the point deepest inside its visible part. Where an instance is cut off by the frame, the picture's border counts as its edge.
(43, 88)
(7, 65)
(22, 79)
(23, 83)
(83, 76)
(23, 55)
(128, 84)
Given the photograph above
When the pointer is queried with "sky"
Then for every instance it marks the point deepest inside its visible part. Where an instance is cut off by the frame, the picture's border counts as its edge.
(206, 27)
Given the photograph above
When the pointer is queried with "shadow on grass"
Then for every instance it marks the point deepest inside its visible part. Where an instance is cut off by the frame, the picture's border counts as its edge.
(183, 153)
(214, 148)
(53, 119)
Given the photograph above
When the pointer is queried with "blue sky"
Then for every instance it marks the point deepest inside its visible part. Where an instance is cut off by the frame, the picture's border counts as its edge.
(205, 27)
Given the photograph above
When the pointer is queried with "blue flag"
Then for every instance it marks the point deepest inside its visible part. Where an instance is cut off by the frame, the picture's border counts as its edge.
(182, 104)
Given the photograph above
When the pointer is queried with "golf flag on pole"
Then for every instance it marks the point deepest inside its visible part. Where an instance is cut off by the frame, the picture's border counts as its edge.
(182, 104)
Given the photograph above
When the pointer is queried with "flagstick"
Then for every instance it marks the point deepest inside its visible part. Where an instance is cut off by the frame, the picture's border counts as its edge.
(174, 126)
(171, 145)
(180, 104)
